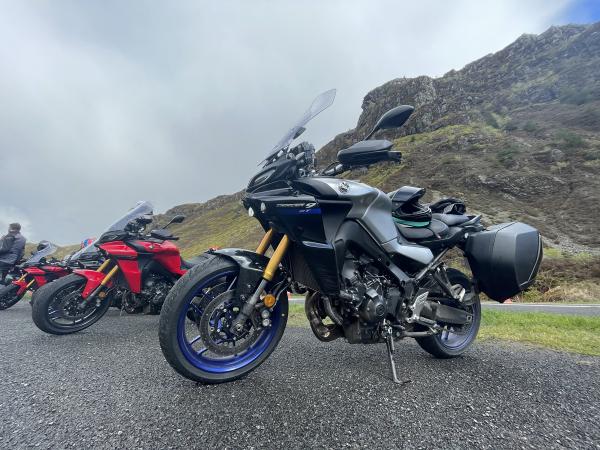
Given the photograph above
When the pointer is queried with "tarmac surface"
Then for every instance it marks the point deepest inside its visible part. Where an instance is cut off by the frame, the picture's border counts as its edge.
(110, 387)
(584, 309)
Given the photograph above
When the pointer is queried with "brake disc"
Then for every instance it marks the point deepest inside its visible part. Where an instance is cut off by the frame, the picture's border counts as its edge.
(217, 317)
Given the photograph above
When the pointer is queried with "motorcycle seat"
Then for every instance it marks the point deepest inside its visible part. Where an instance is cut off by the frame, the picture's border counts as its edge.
(451, 219)
(436, 230)
(189, 263)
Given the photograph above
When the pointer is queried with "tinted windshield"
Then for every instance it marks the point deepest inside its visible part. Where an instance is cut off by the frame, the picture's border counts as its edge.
(43, 253)
(140, 209)
(320, 103)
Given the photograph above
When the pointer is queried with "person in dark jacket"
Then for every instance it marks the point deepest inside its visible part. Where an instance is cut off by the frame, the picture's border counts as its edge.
(12, 248)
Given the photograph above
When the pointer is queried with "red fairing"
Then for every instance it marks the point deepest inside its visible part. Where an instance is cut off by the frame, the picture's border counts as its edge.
(119, 249)
(55, 270)
(166, 253)
(22, 286)
(131, 271)
(38, 275)
(127, 260)
(93, 280)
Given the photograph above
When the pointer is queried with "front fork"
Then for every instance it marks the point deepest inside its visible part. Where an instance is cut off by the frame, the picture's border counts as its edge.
(23, 284)
(237, 325)
(99, 290)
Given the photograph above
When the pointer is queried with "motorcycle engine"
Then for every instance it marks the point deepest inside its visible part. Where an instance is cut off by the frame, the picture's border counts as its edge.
(154, 292)
(155, 289)
(368, 299)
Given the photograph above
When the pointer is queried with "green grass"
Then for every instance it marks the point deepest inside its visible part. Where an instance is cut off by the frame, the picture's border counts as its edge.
(577, 334)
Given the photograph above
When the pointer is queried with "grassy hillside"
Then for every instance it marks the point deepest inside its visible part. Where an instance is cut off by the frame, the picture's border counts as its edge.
(516, 134)
(221, 222)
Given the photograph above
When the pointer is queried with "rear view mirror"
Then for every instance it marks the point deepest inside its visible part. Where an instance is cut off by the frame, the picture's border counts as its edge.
(394, 118)
(178, 218)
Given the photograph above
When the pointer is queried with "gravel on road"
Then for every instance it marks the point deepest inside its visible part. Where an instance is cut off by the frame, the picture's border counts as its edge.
(110, 387)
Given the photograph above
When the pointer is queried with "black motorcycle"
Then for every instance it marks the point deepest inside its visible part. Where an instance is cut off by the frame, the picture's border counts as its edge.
(372, 265)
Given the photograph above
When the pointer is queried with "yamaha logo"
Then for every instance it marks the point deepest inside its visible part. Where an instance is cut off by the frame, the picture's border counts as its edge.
(343, 187)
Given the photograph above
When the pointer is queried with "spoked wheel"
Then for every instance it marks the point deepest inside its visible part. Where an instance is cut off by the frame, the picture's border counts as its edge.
(9, 296)
(455, 341)
(195, 326)
(58, 308)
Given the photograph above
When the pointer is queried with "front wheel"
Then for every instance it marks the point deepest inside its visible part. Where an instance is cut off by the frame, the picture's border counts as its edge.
(195, 324)
(454, 342)
(9, 296)
(58, 309)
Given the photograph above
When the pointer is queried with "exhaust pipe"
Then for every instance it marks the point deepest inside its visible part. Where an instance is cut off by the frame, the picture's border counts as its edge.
(325, 333)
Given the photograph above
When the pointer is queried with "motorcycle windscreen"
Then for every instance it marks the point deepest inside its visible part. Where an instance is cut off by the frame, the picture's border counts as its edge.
(505, 259)
(142, 208)
(43, 253)
(320, 103)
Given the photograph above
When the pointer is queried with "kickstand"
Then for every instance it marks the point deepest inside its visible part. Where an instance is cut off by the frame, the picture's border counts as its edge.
(389, 342)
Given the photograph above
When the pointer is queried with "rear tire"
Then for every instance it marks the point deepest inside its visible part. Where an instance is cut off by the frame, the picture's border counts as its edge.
(446, 348)
(9, 296)
(44, 299)
(177, 309)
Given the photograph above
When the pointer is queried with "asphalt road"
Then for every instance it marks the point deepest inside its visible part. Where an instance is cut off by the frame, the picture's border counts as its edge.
(109, 387)
(565, 308)
(585, 309)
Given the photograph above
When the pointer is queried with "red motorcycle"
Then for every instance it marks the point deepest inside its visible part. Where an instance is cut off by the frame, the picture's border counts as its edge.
(142, 268)
(34, 273)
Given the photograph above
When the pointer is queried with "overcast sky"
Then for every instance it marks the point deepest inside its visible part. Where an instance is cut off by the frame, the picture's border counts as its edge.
(106, 103)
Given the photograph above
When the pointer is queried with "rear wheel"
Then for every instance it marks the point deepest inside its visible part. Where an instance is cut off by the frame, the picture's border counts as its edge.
(454, 342)
(9, 296)
(195, 326)
(57, 308)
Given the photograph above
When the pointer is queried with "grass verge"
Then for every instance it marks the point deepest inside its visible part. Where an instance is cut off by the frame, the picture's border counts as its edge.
(577, 334)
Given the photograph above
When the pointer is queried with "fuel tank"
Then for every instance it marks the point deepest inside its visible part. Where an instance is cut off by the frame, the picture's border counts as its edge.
(371, 207)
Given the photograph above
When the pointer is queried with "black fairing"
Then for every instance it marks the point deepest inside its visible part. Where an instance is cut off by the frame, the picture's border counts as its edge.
(505, 258)
(274, 175)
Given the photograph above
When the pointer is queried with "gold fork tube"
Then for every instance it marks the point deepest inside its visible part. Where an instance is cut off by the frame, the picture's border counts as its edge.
(264, 243)
(103, 265)
(30, 283)
(273, 264)
(109, 275)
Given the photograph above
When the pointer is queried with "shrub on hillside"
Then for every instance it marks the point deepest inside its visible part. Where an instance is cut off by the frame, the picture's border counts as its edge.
(569, 140)
(531, 127)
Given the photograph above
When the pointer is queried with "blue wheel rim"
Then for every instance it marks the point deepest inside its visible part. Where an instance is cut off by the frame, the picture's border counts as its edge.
(197, 357)
(454, 341)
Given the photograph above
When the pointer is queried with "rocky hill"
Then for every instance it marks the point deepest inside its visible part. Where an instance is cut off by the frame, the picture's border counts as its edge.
(516, 134)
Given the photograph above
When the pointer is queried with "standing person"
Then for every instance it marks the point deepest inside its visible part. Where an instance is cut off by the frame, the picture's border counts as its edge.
(12, 248)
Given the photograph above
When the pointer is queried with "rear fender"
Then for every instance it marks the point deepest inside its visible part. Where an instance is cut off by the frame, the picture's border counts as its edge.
(252, 266)
(93, 280)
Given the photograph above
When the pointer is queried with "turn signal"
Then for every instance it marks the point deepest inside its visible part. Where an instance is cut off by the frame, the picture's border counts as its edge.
(269, 300)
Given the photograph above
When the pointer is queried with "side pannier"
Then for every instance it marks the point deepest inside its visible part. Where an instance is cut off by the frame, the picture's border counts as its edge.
(504, 258)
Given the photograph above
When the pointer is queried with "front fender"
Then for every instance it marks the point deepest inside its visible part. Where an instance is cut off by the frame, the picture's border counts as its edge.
(22, 284)
(252, 266)
(93, 280)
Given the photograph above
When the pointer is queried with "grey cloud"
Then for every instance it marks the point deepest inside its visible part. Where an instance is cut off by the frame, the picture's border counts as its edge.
(106, 103)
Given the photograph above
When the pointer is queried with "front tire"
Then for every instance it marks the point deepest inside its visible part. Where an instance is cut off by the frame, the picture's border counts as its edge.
(448, 344)
(54, 309)
(183, 315)
(9, 296)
